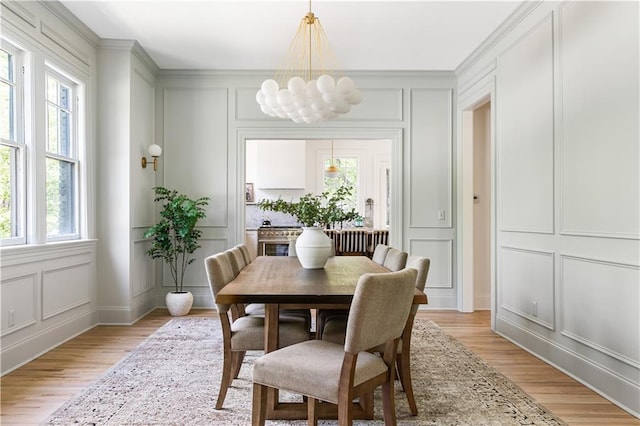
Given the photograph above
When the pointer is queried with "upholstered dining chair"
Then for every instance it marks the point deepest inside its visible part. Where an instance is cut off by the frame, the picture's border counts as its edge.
(395, 259)
(335, 331)
(379, 256)
(380, 253)
(245, 333)
(326, 371)
(245, 253)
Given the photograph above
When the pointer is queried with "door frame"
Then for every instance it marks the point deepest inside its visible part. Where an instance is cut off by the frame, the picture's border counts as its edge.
(472, 99)
(236, 184)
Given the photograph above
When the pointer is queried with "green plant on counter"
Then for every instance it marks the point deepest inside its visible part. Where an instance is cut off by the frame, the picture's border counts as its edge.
(175, 236)
(315, 210)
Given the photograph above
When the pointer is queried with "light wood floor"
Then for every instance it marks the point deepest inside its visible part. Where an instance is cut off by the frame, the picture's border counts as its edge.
(31, 393)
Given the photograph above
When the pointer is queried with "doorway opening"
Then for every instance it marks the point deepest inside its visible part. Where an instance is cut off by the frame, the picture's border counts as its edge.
(289, 168)
(477, 211)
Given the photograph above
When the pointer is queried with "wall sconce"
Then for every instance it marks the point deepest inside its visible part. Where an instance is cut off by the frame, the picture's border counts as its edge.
(155, 151)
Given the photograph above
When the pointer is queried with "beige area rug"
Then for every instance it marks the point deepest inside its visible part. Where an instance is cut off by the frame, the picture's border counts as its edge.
(172, 378)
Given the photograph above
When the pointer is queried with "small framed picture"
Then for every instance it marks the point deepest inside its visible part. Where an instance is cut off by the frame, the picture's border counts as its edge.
(248, 193)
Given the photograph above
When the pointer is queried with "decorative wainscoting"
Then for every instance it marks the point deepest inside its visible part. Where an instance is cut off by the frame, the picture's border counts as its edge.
(526, 285)
(48, 296)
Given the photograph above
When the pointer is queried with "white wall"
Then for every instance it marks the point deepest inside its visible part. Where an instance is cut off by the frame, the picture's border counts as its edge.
(411, 110)
(567, 262)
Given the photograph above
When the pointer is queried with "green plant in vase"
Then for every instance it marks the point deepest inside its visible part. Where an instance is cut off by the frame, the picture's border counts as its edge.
(175, 237)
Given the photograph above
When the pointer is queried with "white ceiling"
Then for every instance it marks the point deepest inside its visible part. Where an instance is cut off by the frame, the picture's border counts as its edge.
(255, 35)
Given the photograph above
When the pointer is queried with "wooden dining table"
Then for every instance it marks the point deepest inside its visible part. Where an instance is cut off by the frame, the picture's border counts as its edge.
(281, 282)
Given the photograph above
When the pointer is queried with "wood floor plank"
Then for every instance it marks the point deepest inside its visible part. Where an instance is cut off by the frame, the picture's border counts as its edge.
(31, 393)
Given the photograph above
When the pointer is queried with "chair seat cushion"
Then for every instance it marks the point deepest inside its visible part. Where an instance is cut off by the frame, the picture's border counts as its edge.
(247, 333)
(312, 368)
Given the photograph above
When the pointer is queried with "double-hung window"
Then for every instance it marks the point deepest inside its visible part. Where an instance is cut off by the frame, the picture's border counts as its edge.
(61, 157)
(12, 147)
(347, 176)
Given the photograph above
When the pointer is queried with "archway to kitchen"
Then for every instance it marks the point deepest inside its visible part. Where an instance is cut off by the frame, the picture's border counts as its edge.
(317, 143)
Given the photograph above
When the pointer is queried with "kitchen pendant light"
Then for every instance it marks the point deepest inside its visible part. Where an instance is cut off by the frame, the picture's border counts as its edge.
(332, 171)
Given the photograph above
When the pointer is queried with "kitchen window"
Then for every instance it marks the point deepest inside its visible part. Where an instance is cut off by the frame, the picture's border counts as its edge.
(348, 176)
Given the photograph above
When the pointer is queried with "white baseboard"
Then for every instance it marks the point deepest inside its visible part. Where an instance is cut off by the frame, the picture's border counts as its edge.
(39, 343)
(624, 392)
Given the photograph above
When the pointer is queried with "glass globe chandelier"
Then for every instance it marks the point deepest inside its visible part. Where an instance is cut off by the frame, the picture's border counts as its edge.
(303, 90)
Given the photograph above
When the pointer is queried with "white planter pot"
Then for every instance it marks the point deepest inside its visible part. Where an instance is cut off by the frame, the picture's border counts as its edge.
(313, 248)
(179, 304)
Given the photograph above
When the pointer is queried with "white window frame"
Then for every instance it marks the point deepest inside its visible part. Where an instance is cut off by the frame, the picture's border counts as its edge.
(19, 174)
(73, 157)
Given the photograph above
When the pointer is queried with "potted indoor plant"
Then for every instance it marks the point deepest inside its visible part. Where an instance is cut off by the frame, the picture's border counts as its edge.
(174, 239)
(314, 212)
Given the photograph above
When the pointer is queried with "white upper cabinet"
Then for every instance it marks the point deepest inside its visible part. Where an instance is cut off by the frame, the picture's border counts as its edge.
(281, 164)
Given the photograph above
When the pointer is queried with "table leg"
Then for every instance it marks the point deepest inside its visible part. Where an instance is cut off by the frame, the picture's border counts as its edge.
(271, 335)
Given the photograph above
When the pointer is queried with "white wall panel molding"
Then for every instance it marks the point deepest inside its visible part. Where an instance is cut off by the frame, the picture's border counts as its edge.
(526, 284)
(22, 12)
(143, 269)
(18, 296)
(476, 77)
(440, 251)
(525, 138)
(65, 288)
(378, 105)
(494, 39)
(143, 129)
(430, 159)
(610, 292)
(64, 43)
(22, 255)
(19, 353)
(206, 109)
(618, 389)
(196, 275)
(599, 120)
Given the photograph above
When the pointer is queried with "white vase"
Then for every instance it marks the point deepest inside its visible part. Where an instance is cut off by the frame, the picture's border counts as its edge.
(313, 248)
(179, 304)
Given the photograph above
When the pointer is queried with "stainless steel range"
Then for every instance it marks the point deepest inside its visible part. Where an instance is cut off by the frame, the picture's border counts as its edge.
(274, 240)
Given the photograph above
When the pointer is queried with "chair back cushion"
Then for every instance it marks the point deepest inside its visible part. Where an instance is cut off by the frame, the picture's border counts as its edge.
(395, 259)
(380, 253)
(219, 274)
(380, 308)
(421, 264)
(245, 253)
(237, 258)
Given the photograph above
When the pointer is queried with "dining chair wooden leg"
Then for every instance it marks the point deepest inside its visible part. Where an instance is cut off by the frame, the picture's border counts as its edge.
(259, 405)
(312, 411)
(236, 364)
(388, 403)
(404, 370)
(366, 403)
(226, 377)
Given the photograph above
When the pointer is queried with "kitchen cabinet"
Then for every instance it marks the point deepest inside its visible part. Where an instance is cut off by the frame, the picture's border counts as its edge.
(281, 164)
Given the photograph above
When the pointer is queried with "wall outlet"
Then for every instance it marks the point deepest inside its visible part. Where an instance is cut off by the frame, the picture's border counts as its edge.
(534, 308)
(12, 317)
(441, 214)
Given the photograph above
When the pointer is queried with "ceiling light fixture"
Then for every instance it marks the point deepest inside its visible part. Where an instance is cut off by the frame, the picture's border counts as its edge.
(309, 94)
(332, 171)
